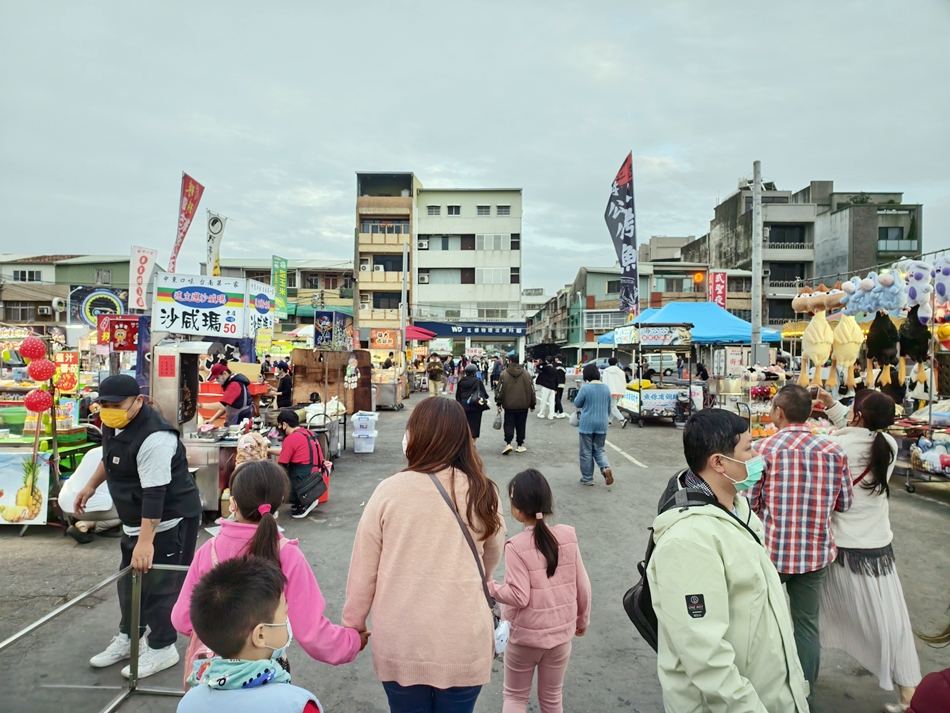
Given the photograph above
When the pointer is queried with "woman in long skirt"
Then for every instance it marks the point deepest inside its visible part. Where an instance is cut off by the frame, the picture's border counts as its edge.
(862, 610)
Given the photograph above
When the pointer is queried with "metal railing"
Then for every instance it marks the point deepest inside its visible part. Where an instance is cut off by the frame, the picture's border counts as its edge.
(789, 246)
(136, 617)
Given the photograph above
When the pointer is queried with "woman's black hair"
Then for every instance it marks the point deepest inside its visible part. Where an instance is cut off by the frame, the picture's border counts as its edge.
(591, 372)
(877, 414)
(255, 484)
(529, 492)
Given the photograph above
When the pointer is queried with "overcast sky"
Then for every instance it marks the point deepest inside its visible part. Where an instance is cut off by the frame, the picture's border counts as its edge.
(275, 106)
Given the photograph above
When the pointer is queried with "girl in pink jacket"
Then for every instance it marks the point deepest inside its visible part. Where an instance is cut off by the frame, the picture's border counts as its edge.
(545, 597)
(258, 489)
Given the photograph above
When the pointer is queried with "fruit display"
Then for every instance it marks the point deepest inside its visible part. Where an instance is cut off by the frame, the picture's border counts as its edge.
(13, 513)
(29, 496)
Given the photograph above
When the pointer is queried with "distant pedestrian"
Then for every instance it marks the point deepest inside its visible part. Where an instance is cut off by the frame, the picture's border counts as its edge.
(545, 596)
(547, 385)
(559, 393)
(413, 568)
(515, 394)
(807, 481)
(616, 381)
(496, 368)
(593, 401)
(472, 395)
(435, 372)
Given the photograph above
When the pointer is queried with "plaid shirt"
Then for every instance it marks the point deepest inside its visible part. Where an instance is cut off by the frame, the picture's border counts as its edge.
(806, 480)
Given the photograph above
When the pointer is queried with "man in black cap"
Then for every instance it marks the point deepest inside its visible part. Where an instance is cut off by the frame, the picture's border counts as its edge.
(144, 464)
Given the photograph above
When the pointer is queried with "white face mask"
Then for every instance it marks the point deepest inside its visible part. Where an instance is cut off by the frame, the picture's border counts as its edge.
(405, 443)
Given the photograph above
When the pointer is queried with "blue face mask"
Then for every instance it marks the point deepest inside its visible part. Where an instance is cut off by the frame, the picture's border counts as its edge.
(754, 467)
(279, 653)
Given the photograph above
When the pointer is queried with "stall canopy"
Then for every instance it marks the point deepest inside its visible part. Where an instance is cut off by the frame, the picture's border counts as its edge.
(608, 338)
(711, 323)
(418, 334)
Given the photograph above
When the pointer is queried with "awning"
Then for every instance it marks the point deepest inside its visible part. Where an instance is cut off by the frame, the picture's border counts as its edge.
(418, 334)
(306, 311)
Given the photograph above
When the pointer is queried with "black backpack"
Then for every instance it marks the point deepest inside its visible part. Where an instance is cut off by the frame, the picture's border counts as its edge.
(638, 602)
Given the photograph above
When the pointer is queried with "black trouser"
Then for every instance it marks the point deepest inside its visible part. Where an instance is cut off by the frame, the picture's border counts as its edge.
(515, 420)
(160, 588)
(558, 407)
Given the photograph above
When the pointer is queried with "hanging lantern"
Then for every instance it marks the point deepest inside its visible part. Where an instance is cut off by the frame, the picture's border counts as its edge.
(32, 348)
(38, 401)
(41, 370)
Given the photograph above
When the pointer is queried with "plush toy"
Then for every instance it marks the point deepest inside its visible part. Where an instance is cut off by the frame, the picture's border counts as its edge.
(882, 346)
(891, 295)
(920, 381)
(833, 300)
(914, 340)
(817, 340)
(851, 299)
(869, 294)
(816, 303)
(848, 339)
(919, 290)
(941, 273)
(800, 301)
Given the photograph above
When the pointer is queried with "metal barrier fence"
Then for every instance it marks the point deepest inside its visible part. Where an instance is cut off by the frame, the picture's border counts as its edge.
(136, 616)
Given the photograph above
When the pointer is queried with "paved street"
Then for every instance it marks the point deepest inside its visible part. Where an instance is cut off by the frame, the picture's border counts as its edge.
(611, 668)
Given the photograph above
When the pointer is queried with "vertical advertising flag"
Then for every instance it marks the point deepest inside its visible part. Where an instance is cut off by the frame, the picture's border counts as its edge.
(620, 217)
(216, 225)
(140, 272)
(278, 278)
(191, 192)
(717, 288)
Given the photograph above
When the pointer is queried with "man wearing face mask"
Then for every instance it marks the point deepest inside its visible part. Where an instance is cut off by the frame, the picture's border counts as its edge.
(724, 638)
(155, 496)
(807, 480)
(301, 454)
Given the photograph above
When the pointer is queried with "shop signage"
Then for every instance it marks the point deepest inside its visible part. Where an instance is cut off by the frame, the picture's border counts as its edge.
(200, 305)
(717, 288)
(659, 402)
(68, 365)
(474, 352)
(87, 303)
(259, 307)
(278, 278)
(10, 337)
(660, 336)
(496, 330)
(625, 335)
(123, 333)
(735, 361)
(19, 506)
(380, 338)
(264, 341)
(441, 346)
(140, 272)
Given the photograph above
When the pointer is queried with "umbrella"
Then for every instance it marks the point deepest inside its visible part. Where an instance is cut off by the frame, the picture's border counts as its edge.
(418, 333)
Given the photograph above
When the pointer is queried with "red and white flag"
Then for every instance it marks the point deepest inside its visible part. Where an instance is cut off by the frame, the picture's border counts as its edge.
(191, 192)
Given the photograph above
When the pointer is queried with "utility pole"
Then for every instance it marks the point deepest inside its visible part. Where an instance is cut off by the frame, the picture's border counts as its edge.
(403, 305)
(760, 354)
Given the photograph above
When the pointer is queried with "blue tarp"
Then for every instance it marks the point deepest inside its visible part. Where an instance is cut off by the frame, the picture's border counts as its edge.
(711, 323)
(608, 338)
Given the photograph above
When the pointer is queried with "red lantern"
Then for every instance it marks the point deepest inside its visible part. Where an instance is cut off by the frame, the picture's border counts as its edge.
(32, 348)
(38, 401)
(41, 370)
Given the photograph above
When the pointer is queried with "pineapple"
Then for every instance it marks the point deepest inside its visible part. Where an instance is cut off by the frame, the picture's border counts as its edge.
(13, 513)
(29, 496)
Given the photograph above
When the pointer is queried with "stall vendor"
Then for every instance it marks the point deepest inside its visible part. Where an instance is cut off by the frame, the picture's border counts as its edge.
(144, 464)
(236, 403)
(285, 385)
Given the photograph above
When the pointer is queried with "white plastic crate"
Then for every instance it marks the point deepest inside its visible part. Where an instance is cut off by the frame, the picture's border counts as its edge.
(364, 421)
(364, 442)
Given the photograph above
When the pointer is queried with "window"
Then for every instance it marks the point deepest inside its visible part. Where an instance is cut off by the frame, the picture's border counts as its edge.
(503, 210)
(21, 311)
(516, 241)
(259, 275)
(389, 263)
(483, 210)
(384, 225)
(891, 240)
(781, 309)
(493, 242)
(103, 277)
(27, 276)
(739, 284)
(492, 275)
(455, 210)
(331, 281)
(515, 275)
(745, 314)
(604, 320)
(433, 210)
(493, 310)
(786, 271)
(613, 287)
(786, 234)
(292, 278)
(347, 283)
(468, 275)
(312, 279)
(468, 242)
(386, 300)
(765, 199)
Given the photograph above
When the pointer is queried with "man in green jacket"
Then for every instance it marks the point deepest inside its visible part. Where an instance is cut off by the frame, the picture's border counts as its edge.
(515, 394)
(725, 637)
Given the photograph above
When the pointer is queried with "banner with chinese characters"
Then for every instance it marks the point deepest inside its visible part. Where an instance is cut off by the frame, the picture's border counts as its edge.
(626, 335)
(717, 288)
(102, 328)
(259, 307)
(141, 266)
(201, 305)
(67, 363)
(665, 336)
(124, 333)
(621, 220)
(278, 278)
(191, 192)
(384, 338)
(87, 303)
(264, 341)
(216, 225)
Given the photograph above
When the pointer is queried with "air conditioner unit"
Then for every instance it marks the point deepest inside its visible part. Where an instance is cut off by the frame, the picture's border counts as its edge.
(364, 305)
(422, 245)
(44, 311)
(423, 279)
(364, 268)
(379, 268)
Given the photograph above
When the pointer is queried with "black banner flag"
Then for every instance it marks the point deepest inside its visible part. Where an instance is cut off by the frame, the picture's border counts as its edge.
(621, 222)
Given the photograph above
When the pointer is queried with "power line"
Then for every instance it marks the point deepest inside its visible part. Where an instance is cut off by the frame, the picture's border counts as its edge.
(857, 272)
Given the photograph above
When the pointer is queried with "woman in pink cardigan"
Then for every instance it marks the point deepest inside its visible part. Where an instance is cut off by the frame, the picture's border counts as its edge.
(546, 597)
(433, 640)
(258, 489)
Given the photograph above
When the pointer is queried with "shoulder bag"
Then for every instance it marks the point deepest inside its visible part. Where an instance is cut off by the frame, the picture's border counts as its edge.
(502, 628)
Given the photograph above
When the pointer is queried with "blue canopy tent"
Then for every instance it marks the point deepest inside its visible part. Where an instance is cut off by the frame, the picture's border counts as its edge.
(608, 338)
(711, 323)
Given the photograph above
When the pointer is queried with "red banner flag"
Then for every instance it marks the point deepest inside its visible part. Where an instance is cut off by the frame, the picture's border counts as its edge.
(191, 192)
(717, 288)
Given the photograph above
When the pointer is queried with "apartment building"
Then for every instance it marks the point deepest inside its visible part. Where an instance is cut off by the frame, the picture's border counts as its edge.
(813, 233)
(662, 248)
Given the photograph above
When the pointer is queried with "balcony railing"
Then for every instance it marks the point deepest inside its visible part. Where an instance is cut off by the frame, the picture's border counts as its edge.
(779, 321)
(789, 246)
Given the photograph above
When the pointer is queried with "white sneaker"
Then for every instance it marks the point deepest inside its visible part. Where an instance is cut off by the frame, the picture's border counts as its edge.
(540, 415)
(520, 449)
(118, 650)
(508, 449)
(550, 418)
(151, 661)
(560, 415)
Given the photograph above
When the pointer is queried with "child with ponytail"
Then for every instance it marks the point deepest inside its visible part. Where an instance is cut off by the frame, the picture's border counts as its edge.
(545, 597)
(258, 489)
